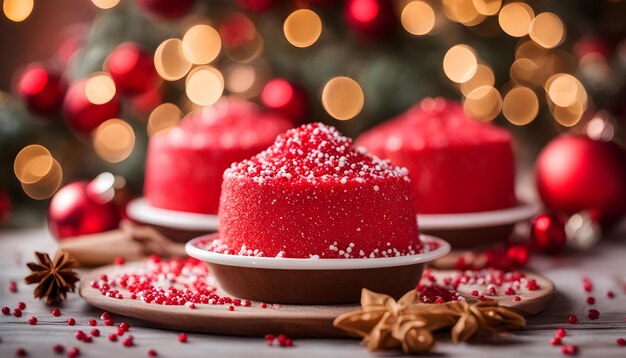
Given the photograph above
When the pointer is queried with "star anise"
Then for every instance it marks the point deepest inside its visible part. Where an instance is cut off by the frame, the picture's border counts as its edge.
(54, 278)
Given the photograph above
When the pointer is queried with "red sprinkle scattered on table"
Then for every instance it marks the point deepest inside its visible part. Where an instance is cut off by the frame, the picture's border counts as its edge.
(119, 261)
(593, 314)
(95, 332)
(572, 319)
(17, 312)
(21, 305)
(124, 326)
(108, 322)
(591, 300)
(21, 352)
(182, 338)
(587, 284)
(128, 341)
(74, 352)
(13, 286)
(569, 349)
(56, 312)
(80, 335)
(6, 310)
(555, 341)
(152, 353)
(560, 333)
(92, 322)
(58, 348)
(113, 337)
(610, 294)
(71, 321)
(621, 342)
(105, 316)
(32, 320)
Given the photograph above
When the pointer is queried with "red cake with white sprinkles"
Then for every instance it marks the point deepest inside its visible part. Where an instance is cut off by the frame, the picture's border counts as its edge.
(312, 194)
(184, 166)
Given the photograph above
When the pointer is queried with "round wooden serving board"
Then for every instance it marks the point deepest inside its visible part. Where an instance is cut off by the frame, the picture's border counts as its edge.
(292, 320)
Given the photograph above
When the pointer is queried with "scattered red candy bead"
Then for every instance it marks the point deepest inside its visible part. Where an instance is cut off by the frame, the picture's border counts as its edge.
(182, 338)
(517, 298)
(58, 348)
(74, 352)
(105, 316)
(231, 308)
(593, 314)
(87, 339)
(21, 352)
(13, 286)
(474, 293)
(263, 305)
(591, 300)
(610, 294)
(108, 322)
(80, 335)
(621, 342)
(587, 284)
(112, 337)
(560, 333)
(92, 322)
(555, 341)
(569, 350)
(32, 320)
(71, 321)
(95, 332)
(119, 261)
(572, 319)
(56, 312)
(6, 310)
(17, 312)
(152, 353)
(124, 326)
(128, 342)
(247, 303)
(21, 305)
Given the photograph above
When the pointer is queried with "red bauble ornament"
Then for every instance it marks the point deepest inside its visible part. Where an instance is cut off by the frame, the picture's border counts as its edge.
(5, 205)
(236, 30)
(83, 116)
(41, 88)
(256, 5)
(518, 254)
(79, 209)
(548, 233)
(132, 69)
(286, 97)
(167, 9)
(576, 173)
(369, 17)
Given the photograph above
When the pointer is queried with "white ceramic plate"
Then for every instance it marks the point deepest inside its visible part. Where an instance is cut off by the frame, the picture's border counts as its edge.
(312, 264)
(141, 211)
(512, 215)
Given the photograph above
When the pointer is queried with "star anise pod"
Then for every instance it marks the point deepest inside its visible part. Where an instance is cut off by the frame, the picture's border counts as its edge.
(54, 278)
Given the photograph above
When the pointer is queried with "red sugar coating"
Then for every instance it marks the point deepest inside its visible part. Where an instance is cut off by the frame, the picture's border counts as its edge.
(456, 164)
(314, 195)
(433, 293)
(184, 166)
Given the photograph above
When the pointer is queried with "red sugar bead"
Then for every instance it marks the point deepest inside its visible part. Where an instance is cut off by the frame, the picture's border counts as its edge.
(263, 305)
(32, 320)
(56, 312)
(87, 339)
(80, 335)
(569, 350)
(247, 303)
(128, 342)
(491, 291)
(74, 352)
(108, 322)
(71, 322)
(92, 322)
(509, 291)
(120, 332)
(105, 315)
(119, 261)
(124, 326)
(182, 338)
(587, 284)
(95, 332)
(13, 286)
(555, 341)
(152, 353)
(58, 348)
(17, 312)
(593, 314)
(6, 310)
(621, 342)
(112, 337)
(610, 294)
(591, 300)
(572, 319)
(21, 305)
(21, 352)
(517, 298)
(560, 333)
(231, 308)
(474, 293)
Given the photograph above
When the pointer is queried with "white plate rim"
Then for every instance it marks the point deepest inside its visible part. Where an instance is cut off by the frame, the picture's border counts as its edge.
(139, 210)
(521, 212)
(313, 264)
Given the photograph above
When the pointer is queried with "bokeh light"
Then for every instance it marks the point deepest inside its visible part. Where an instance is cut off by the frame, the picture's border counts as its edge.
(105, 4)
(170, 61)
(204, 85)
(487, 7)
(114, 140)
(460, 63)
(164, 117)
(462, 11)
(525, 71)
(247, 51)
(483, 77)
(343, 98)
(547, 30)
(302, 28)
(520, 105)
(47, 185)
(17, 10)
(99, 88)
(564, 90)
(515, 18)
(32, 163)
(483, 103)
(201, 44)
(568, 116)
(418, 18)
(240, 78)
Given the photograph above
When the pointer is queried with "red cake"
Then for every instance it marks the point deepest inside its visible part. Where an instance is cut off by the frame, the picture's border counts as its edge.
(184, 166)
(314, 195)
(456, 164)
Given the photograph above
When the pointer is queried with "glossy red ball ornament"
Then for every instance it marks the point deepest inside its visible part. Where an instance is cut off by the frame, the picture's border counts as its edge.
(256, 5)
(81, 115)
(548, 233)
(42, 89)
(132, 69)
(518, 255)
(369, 17)
(576, 173)
(287, 98)
(78, 209)
(167, 9)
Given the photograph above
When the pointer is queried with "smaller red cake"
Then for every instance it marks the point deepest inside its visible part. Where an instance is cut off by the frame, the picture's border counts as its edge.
(184, 166)
(314, 195)
(456, 164)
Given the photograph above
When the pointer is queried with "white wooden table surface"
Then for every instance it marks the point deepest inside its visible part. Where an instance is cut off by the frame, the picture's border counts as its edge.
(605, 265)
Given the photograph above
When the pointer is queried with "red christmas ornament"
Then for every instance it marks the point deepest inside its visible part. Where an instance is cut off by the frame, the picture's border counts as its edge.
(548, 233)
(132, 69)
(167, 9)
(236, 30)
(80, 208)
(5, 205)
(286, 97)
(369, 17)
(576, 173)
(591, 44)
(83, 116)
(41, 88)
(518, 255)
(256, 5)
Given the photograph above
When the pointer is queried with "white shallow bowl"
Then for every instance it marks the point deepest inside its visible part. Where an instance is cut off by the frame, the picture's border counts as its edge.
(521, 212)
(313, 281)
(139, 210)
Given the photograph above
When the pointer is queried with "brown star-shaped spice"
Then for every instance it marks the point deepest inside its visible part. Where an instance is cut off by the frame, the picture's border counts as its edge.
(54, 278)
